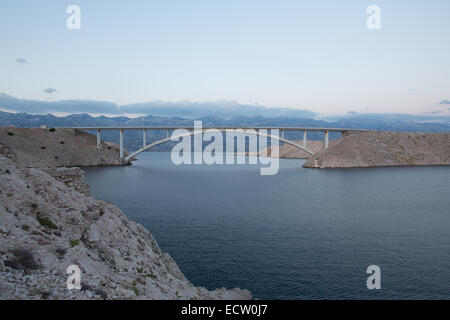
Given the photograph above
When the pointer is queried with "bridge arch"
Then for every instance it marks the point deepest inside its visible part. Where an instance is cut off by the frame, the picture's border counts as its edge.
(194, 132)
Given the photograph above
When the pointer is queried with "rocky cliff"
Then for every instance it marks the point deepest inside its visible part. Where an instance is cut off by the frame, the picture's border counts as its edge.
(48, 221)
(379, 149)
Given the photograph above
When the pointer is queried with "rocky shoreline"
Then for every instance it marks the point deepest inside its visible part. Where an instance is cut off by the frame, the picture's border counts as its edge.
(384, 149)
(49, 221)
(373, 149)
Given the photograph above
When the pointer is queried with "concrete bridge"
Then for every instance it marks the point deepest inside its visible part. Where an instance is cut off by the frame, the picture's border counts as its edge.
(192, 131)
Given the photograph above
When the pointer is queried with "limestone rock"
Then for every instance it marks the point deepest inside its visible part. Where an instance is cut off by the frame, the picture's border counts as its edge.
(48, 221)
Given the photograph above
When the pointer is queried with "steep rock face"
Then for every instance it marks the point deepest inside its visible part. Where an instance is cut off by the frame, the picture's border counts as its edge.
(35, 147)
(378, 149)
(47, 224)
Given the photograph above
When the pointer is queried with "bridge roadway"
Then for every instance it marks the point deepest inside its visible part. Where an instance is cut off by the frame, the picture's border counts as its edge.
(192, 131)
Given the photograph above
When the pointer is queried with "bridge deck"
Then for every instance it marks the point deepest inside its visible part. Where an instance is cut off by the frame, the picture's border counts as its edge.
(217, 127)
(192, 130)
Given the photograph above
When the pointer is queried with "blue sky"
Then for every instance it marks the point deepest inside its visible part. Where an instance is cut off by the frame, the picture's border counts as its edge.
(316, 55)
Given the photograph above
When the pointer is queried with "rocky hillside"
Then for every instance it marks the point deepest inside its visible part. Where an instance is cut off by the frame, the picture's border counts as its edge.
(48, 221)
(378, 149)
(37, 147)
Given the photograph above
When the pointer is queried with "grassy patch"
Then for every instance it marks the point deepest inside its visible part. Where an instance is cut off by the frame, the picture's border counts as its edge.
(74, 242)
(47, 223)
(136, 291)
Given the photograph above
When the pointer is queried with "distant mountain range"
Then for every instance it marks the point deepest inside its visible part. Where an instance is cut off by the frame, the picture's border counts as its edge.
(185, 109)
(191, 110)
(133, 139)
(387, 117)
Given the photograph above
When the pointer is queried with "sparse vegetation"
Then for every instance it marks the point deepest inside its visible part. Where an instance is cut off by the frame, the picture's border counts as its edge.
(136, 291)
(74, 243)
(47, 223)
(152, 276)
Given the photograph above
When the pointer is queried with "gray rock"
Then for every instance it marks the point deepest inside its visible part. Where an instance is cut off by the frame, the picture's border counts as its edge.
(94, 235)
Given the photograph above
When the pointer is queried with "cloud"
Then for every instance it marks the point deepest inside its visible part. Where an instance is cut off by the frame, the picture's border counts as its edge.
(66, 106)
(221, 109)
(21, 60)
(50, 90)
(185, 109)
(445, 101)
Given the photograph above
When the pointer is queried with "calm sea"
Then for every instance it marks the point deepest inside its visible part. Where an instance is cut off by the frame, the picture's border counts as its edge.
(301, 234)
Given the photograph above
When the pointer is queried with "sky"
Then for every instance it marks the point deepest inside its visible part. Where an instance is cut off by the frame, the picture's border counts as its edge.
(316, 55)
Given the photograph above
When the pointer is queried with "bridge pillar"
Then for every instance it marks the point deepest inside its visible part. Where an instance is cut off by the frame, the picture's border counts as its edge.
(304, 138)
(98, 139)
(121, 143)
(144, 137)
(326, 139)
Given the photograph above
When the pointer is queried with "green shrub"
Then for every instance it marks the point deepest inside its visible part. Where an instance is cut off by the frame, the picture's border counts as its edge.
(136, 291)
(47, 223)
(74, 243)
